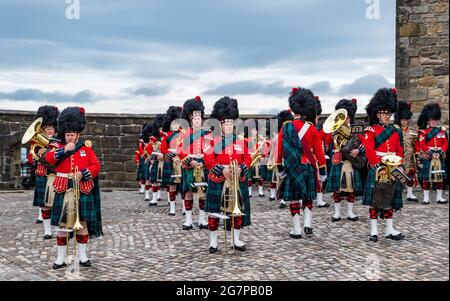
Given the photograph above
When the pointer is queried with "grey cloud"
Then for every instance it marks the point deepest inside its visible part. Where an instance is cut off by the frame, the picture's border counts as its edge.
(249, 87)
(39, 95)
(149, 90)
(365, 85)
(323, 87)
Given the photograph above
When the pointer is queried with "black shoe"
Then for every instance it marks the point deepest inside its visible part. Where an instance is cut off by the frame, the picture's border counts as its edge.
(308, 231)
(271, 199)
(171, 214)
(333, 219)
(187, 227)
(202, 226)
(58, 266)
(373, 238)
(242, 249)
(86, 264)
(425, 203)
(399, 236)
(213, 250)
(47, 236)
(184, 213)
(353, 219)
(152, 204)
(249, 196)
(442, 202)
(295, 236)
(38, 221)
(416, 200)
(146, 200)
(159, 200)
(282, 205)
(261, 195)
(324, 206)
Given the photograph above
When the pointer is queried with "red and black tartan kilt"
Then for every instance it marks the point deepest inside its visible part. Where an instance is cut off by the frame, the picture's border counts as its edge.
(39, 191)
(214, 199)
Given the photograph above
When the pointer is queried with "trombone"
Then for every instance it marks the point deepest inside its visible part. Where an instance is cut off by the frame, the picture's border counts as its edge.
(71, 209)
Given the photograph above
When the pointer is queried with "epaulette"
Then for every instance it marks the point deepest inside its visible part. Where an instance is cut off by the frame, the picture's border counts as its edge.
(444, 128)
(88, 143)
(369, 129)
(240, 137)
(396, 126)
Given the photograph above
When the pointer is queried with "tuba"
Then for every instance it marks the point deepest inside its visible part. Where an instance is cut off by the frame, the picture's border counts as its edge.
(35, 134)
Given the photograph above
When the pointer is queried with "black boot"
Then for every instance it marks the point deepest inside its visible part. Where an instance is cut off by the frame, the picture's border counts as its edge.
(58, 266)
(295, 236)
(333, 219)
(373, 238)
(242, 249)
(353, 219)
(308, 231)
(282, 205)
(86, 264)
(47, 236)
(399, 236)
(324, 206)
(416, 200)
(187, 227)
(213, 250)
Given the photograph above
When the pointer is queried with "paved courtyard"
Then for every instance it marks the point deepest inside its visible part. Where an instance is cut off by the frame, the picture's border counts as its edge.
(143, 243)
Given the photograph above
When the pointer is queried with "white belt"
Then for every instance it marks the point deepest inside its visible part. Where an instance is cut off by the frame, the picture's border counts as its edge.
(436, 148)
(64, 175)
(381, 154)
(196, 156)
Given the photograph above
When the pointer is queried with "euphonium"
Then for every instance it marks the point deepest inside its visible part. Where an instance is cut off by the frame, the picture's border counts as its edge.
(383, 173)
(34, 134)
(336, 125)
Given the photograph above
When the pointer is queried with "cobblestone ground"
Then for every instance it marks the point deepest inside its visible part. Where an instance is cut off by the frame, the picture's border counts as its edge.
(143, 243)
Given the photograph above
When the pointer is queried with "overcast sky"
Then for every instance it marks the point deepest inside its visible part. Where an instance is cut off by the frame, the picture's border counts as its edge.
(142, 56)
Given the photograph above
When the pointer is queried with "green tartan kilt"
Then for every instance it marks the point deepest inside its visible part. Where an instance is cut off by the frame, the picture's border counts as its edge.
(90, 212)
(140, 170)
(310, 181)
(425, 174)
(39, 191)
(262, 172)
(268, 175)
(214, 199)
(334, 180)
(146, 170)
(167, 173)
(188, 178)
(397, 201)
(154, 172)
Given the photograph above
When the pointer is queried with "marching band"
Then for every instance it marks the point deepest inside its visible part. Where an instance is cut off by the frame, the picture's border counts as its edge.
(299, 160)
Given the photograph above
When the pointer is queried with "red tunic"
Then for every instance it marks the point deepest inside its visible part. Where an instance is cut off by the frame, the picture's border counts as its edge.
(392, 145)
(313, 142)
(438, 142)
(139, 153)
(86, 161)
(196, 148)
(237, 150)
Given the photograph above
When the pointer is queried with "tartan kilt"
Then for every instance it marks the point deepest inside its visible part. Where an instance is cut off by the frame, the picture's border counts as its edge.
(90, 212)
(334, 180)
(268, 175)
(167, 173)
(310, 181)
(424, 175)
(39, 191)
(140, 170)
(397, 201)
(289, 192)
(188, 178)
(214, 199)
(146, 171)
(154, 172)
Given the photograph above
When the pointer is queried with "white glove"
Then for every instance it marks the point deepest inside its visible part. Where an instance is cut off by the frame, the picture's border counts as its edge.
(322, 178)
